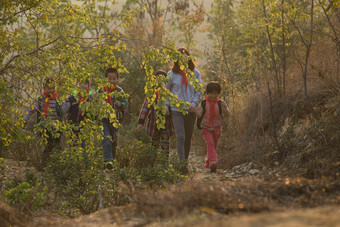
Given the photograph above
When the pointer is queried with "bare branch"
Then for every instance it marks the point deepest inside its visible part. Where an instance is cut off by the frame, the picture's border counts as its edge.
(29, 53)
(21, 11)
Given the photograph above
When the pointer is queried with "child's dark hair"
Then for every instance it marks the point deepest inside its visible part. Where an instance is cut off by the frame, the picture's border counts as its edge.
(213, 86)
(161, 72)
(111, 70)
(48, 81)
(176, 68)
(87, 81)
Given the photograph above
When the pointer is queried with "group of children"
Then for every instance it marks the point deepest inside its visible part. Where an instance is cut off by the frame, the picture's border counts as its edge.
(47, 106)
(209, 113)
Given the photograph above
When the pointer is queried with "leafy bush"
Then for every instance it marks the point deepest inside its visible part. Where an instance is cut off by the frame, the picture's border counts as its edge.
(3, 168)
(9, 116)
(29, 150)
(26, 195)
(151, 165)
(74, 175)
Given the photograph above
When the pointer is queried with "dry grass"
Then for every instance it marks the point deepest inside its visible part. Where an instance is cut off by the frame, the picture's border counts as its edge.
(293, 131)
(306, 129)
(247, 195)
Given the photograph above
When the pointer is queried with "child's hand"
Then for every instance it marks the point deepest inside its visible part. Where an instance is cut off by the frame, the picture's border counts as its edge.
(199, 111)
(167, 113)
(192, 108)
(139, 127)
(117, 103)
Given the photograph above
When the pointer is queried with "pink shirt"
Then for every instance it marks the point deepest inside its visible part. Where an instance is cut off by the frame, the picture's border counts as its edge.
(216, 118)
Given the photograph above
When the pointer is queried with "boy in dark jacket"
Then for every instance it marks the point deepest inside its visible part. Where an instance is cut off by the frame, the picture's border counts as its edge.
(73, 105)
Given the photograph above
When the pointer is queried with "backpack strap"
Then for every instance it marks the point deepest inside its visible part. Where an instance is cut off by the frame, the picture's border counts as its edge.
(203, 104)
(220, 107)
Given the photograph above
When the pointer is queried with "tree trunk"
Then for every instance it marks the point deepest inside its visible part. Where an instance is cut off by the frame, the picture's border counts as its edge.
(272, 120)
(284, 57)
(277, 80)
(308, 47)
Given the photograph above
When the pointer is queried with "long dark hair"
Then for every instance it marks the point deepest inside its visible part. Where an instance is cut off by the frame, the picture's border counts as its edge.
(175, 68)
(161, 72)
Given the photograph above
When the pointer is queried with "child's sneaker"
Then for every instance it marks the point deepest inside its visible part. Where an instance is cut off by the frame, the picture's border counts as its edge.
(213, 167)
(108, 165)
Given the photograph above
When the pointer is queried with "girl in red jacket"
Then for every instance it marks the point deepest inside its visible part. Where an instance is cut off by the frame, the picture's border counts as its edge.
(210, 113)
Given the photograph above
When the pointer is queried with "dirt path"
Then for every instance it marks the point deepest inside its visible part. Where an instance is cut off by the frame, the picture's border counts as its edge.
(200, 173)
(322, 216)
(169, 205)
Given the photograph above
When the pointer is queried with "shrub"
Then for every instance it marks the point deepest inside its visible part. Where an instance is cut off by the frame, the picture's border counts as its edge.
(151, 165)
(3, 168)
(26, 196)
(74, 175)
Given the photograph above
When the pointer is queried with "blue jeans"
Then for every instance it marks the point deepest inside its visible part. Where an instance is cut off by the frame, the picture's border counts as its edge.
(109, 143)
(184, 128)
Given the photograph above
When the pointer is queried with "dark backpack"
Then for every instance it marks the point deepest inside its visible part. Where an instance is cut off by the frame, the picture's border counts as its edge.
(203, 103)
(74, 109)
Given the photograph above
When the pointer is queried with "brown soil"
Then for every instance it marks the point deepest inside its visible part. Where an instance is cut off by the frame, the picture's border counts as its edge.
(11, 217)
(271, 198)
(17, 169)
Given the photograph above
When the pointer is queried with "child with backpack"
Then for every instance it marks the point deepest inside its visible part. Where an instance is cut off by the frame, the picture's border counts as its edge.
(72, 105)
(210, 113)
(119, 104)
(46, 107)
(159, 136)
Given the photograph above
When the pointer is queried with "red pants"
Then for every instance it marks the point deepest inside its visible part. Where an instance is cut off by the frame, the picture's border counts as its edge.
(211, 138)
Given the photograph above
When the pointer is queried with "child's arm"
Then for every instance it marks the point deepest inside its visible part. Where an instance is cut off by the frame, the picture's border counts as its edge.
(30, 111)
(144, 112)
(168, 86)
(199, 111)
(197, 94)
(225, 109)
